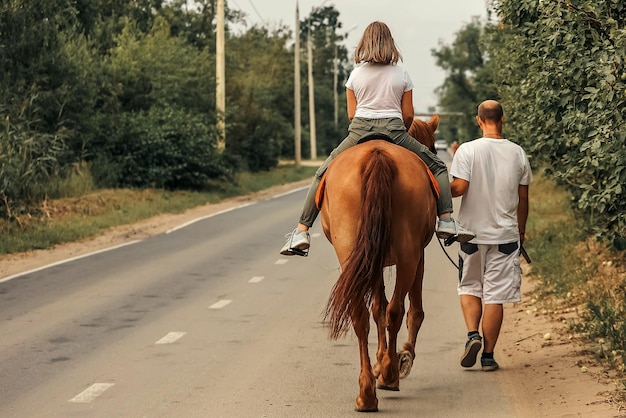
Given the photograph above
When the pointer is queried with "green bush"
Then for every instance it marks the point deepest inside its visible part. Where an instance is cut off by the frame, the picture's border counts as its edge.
(164, 148)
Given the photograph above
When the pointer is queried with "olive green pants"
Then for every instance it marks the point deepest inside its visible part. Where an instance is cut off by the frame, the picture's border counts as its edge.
(394, 128)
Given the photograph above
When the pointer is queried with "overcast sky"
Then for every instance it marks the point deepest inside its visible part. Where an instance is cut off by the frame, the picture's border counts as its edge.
(416, 25)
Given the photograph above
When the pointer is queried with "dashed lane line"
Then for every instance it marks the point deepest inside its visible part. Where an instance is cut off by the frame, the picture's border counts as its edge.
(220, 304)
(171, 337)
(91, 393)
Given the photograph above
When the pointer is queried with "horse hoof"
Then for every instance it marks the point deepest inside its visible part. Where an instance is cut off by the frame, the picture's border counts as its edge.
(374, 409)
(386, 387)
(362, 406)
(405, 360)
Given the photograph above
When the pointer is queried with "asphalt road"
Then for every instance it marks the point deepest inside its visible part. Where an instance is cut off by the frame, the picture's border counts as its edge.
(210, 321)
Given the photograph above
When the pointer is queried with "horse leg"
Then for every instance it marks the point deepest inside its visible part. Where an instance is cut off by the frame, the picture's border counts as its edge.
(366, 401)
(379, 308)
(415, 318)
(389, 378)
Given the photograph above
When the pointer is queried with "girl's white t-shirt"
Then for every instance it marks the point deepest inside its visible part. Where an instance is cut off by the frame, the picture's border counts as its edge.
(378, 89)
(494, 168)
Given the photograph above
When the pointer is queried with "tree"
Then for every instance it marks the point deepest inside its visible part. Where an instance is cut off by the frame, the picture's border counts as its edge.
(468, 80)
(560, 70)
(323, 26)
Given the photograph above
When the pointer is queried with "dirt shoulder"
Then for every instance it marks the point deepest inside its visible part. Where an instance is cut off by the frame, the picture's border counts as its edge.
(547, 375)
(547, 370)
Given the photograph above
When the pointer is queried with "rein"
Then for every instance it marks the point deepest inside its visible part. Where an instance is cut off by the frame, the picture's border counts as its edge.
(446, 253)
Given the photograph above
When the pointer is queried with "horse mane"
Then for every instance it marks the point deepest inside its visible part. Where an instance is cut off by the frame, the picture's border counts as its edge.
(424, 132)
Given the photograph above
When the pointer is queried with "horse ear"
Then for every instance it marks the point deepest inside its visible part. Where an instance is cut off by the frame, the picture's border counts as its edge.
(434, 122)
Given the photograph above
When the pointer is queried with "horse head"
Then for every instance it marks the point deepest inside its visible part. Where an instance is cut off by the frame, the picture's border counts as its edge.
(424, 132)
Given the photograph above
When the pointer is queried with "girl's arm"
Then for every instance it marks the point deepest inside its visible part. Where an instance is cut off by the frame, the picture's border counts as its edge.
(351, 99)
(407, 108)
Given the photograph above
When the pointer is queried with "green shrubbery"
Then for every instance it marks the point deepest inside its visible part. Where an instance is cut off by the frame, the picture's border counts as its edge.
(126, 92)
(560, 69)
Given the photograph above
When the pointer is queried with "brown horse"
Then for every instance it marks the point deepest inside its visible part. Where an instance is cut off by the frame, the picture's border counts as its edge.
(379, 210)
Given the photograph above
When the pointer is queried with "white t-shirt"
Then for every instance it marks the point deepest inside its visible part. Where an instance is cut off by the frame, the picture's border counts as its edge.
(378, 89)
(494, 169)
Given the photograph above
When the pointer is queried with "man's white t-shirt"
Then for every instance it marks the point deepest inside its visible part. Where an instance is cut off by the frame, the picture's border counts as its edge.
(494, 169)
(378, 89)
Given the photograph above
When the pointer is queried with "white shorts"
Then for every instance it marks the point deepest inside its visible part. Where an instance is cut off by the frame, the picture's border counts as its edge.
(490, 272)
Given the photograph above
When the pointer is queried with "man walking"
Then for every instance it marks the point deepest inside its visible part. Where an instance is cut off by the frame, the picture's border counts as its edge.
(492, 175)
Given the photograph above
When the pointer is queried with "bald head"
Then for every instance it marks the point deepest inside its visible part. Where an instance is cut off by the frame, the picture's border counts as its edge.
(490, 111)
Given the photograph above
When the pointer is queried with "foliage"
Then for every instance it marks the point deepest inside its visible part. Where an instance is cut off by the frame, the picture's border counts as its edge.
(165, 148)
(260, 121)
(560, 70)
(126, 91)
(468, 81)
(27, 160)
(325, 31)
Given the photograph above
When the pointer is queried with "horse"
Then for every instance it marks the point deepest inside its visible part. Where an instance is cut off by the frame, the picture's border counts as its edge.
(379, 210)
(424, 132)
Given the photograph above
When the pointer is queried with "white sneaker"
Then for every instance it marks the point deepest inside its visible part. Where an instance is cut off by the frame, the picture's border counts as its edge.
(298, 242)
(446, 230)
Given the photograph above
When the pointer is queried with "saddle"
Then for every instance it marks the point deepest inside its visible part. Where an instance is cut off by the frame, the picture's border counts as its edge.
(319, 194)
(374, 135)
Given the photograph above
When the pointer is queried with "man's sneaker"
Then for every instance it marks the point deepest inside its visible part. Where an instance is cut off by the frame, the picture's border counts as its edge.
(297, 243)
(488, 364)
(472, 347)
(452, 228)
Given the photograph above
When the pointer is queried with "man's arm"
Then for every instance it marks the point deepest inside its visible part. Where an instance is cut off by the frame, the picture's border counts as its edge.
(458, 187)
(522, 210)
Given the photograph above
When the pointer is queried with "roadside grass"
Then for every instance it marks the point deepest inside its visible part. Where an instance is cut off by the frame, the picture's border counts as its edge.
(578, 277)
(86, 215)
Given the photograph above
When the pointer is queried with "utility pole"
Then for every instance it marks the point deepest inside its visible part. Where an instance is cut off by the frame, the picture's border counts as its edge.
(220, 78)
(296, 92)
(335, 82)
(311, 95)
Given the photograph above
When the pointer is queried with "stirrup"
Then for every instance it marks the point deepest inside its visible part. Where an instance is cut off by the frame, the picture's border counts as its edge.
(450, 240)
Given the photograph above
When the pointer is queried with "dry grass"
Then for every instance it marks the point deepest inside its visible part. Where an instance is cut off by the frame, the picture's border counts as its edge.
(57, 221)
(579, 280)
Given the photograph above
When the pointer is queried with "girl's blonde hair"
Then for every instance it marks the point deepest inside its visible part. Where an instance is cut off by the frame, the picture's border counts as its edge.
(377, 46)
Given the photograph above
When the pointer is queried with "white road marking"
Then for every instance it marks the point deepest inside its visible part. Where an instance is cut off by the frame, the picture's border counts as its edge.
(316, 235)
(171, 337)
(193, 221)
(256, 279)
(289, 192)
(220, 304)
(281, 261)
(91, 393)
(6, 279)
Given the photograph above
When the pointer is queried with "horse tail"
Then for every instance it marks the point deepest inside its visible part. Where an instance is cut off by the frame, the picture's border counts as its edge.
(362, 271)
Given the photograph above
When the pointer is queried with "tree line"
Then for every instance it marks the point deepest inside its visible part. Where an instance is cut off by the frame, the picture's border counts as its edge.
(559, 69)
(123, 93)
